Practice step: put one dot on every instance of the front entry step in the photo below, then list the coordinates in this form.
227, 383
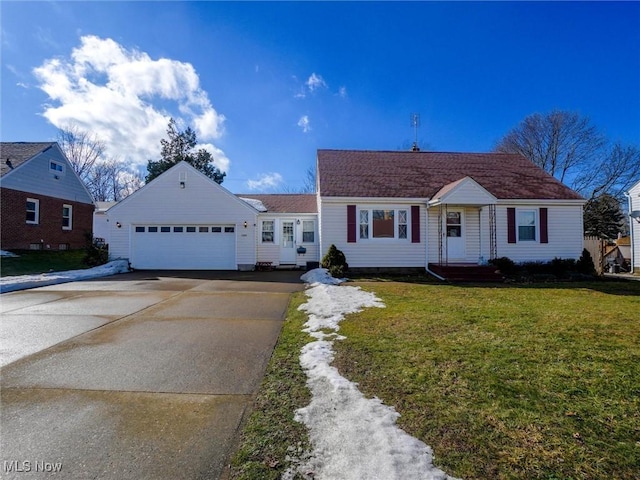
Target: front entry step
467, 272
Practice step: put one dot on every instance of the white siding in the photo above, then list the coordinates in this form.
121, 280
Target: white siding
468, 192
471, 232
201, 202
36, 177
634, 224
565, 235
372, 252
270, 252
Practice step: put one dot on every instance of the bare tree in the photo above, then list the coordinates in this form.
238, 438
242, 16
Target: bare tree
107, 179
617, 172
561, 143
308, 183
569, 147
82, 148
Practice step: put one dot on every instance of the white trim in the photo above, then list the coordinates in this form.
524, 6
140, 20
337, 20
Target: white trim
70, 207
37, 211
539, 202
376, 200
396, 217
536, 226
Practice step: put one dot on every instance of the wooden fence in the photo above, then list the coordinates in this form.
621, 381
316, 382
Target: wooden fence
596, 247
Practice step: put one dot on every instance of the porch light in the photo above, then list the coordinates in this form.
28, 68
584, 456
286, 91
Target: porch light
118, 224
245, 224
182, 184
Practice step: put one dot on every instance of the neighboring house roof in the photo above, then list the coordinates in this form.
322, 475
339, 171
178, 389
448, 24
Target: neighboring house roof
102, 207
18, 153
286, 202
363, 173
623, 241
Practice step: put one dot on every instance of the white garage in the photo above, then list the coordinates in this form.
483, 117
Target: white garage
183, 220
184, 247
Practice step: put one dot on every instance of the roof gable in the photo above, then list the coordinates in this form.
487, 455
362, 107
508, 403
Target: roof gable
18, 153
172, 178
465, 191
397, 174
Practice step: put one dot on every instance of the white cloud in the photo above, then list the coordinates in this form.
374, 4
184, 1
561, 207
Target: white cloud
304, 123
265, 181
342, 92
315, 82
116, 93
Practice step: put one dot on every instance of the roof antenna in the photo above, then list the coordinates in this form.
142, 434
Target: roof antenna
415, 123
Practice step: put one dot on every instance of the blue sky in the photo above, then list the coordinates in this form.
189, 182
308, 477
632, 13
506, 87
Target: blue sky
266, 84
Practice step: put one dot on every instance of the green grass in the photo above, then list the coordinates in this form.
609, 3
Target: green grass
33, 262
504, 382
539, 382
271, 431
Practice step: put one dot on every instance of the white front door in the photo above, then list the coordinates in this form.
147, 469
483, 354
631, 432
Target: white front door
455, 232
287, 243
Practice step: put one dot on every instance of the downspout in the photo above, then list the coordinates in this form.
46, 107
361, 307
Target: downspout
633, 252
426, 242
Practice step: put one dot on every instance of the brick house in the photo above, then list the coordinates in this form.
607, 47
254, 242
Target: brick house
45, 205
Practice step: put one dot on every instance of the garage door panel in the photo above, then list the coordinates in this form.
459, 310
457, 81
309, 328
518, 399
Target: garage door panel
207, 248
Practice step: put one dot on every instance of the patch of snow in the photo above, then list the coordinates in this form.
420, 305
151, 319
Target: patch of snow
353, 437
321, 275
23, 282
4, 253
257, 204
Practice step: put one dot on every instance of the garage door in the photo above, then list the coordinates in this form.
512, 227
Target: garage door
184, 247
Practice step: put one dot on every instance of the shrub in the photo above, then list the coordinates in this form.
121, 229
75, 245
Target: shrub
506, 266
96, 253
585, 263
335, 262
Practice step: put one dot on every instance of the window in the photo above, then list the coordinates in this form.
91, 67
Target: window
203, 229
67, 217
364, 224
308, 231
526, 225
229, 229
216, 229
402, 224
267, 231
165, 229
153, 230
178, 229
56, 167
141, 229
191, 229
454, 224
383, 224
33, 211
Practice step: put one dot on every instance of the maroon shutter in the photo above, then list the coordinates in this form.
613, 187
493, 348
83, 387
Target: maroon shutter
544, 230
351, 223
511, 225
415, 224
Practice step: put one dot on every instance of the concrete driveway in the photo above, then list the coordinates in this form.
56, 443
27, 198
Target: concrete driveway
138, 376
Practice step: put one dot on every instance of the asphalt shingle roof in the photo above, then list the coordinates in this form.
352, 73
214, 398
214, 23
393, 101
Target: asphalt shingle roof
18, 153
363, 173
287, 202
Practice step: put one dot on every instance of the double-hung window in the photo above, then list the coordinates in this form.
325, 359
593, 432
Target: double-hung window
526, 225
268, 231
384, 224
67, 217
33, 211
308, 231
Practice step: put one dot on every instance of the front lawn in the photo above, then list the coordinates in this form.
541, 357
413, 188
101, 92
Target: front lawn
507, 382
504, 382
42, 261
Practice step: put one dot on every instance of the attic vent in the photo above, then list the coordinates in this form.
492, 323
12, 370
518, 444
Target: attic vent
182, 178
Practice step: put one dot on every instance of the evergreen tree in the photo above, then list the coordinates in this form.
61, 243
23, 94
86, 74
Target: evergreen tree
180, 146
603, 217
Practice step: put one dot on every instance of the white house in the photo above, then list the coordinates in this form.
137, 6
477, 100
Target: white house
633, 196
383, 209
